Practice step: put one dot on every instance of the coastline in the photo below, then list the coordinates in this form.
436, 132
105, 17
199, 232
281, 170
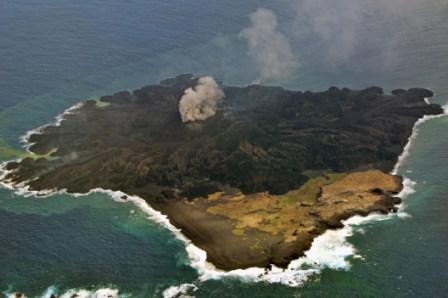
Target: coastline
24, 139
415, 130
293, 275
319, 256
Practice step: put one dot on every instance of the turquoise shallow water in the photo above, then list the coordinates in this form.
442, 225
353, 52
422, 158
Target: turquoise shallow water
54, 53
71, 242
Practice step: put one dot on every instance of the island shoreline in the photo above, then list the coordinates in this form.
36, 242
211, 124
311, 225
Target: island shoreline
196, 255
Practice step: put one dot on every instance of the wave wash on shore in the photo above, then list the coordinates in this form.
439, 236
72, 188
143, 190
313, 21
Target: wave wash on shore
79, 293
329, 250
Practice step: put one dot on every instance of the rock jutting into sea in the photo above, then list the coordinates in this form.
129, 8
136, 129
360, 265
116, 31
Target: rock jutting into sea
262, 173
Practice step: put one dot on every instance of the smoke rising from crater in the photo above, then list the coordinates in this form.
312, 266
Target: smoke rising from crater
269, 47
200, 102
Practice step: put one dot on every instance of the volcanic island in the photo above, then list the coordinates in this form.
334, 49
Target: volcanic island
251, 177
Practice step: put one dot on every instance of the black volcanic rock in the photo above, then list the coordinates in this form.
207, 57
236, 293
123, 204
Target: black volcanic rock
262, 139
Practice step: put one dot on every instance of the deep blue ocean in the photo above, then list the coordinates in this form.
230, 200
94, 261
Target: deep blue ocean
54, 53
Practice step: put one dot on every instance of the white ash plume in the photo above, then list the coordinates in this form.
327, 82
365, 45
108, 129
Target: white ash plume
200, 102
269, 47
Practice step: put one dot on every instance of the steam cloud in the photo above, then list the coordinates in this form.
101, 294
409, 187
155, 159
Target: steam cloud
334, 34
200, 102
346, 28
269, 47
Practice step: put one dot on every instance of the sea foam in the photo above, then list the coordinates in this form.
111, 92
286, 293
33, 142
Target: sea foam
78, 293
183, 290
415, 131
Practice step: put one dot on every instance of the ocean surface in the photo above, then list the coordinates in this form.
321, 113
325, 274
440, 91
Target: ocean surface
54, 53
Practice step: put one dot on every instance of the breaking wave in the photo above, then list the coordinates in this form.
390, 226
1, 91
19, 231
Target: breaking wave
25, 139
183, 290
78, 293
415, 131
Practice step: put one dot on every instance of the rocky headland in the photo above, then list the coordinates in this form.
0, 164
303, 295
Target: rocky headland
255, 181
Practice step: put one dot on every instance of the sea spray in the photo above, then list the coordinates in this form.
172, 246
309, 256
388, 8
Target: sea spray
408, 189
